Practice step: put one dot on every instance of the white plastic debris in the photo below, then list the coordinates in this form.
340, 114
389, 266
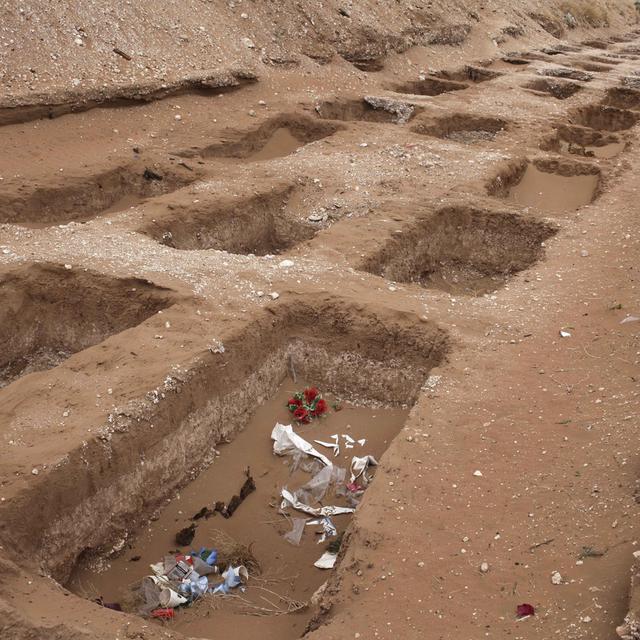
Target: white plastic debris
556, 578
326, 561
295, 535
359, 467
629, 319
331, 445
290, 499
564, 334
477, 473
287, 441
274, 295
328, 528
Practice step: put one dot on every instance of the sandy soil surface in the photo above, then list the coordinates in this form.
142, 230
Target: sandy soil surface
427, 211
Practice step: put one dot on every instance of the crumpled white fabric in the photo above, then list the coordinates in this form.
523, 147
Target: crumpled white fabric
287, 441
290, 499
359, 467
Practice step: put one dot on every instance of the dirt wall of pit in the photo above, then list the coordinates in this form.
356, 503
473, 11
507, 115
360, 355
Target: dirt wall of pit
85, 50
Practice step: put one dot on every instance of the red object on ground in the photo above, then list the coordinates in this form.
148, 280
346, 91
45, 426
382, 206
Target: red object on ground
163, 614
524, 610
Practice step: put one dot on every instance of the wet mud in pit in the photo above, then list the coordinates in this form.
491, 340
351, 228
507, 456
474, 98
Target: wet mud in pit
283, 578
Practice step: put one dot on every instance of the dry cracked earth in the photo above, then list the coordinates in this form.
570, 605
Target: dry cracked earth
456, 252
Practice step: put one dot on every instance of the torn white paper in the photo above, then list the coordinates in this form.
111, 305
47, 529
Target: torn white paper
287, 441
359, 467
290, 499
326, 561
328, 528
331, 445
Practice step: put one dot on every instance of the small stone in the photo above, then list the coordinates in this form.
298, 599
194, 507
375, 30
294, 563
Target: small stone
556, 578
421, 564
248, 42
285, 264
262, 103
34, 471
177, 117
68, 266
484, 567
260, 294
477, 473
584, 253
252, 113
274, 295
586, 619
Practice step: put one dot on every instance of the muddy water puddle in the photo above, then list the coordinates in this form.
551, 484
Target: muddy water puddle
280, 144
604, 152
553, 192
287, 572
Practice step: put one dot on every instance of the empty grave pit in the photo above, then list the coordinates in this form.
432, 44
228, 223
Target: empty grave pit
461, 249
592, 66
276, 137
622, 98
367, 109
81, 198
428, 86
370, 361
547, 184
604, 118
49, 313
559, 89
564, 72
468, 73
258, 224
583, 141
461, 127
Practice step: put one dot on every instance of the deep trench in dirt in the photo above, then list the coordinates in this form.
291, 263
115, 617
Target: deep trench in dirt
62, 311
196, 444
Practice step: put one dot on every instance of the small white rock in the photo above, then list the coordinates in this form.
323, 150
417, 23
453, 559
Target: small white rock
285, 264
274, 295
556, 578
177, 117
484, 567
34, 471
477, 473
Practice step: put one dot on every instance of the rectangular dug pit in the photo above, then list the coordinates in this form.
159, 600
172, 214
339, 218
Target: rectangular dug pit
276, 137
559, 89
49, 313
461, 127
70, 198
564, 72
257, 224
585, 142
428, 87
622, 98
461, 250
367, 109
604, 118
468, 73
547, 185
364, 355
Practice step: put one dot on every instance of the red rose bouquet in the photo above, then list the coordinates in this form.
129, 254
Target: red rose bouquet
307, 404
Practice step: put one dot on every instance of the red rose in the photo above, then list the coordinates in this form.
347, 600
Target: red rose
294, 402
321, 407
301, 414
310, 394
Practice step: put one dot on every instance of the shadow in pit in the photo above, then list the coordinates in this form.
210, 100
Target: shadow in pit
367, 354
461, 249
82, 198
582, 141
428, 86
622, 98
274, 138
368, 109
49, 313
258, 224
461, 127
547, 184
604, 118
468, 73
559, 89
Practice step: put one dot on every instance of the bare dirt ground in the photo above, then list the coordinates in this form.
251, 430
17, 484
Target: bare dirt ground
428, 211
